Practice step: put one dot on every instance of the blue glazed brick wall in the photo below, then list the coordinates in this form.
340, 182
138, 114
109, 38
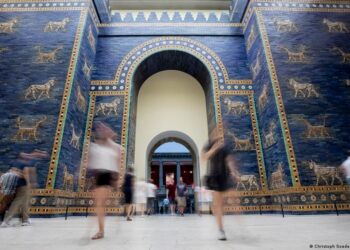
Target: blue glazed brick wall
71, 149
229, 49
20, 68
327, 104
272, 140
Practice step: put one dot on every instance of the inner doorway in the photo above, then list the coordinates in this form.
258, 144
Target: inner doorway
169, 162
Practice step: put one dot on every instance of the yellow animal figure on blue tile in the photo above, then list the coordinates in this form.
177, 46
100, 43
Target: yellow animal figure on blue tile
108, 107
293, 56
325, 172
242, 144
42, 89
57, 26
285, 25
8, 27
46, 57
28, 132
346, 56
335, 26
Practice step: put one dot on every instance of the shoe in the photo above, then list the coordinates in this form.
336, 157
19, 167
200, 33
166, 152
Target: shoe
5, 224
128, 219
98, 236
222, 235
24, 224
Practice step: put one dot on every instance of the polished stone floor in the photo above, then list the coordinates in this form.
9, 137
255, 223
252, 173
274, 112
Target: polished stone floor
181, 233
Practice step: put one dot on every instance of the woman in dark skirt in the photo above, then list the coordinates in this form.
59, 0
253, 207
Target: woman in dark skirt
219, 176
104, 163
128, 190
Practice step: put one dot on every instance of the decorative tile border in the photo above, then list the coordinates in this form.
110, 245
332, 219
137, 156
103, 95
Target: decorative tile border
86, 143
229, 87
165, 24
119, 210
171, 16
102, 82
244, 81
36, 4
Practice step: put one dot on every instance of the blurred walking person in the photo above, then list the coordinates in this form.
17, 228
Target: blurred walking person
181, 193
104, 161
171, 192
151, 196
25, 167
8, 184
141, 196
128, 190
197, 199
345, 166
219, 174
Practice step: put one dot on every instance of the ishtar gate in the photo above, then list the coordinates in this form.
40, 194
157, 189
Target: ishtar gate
272, 75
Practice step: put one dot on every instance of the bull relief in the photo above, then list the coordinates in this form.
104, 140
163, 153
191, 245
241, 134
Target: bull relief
335, 26
284, 25
107, 108
235, 107
303, 89
57, 26
8, 26
325, 173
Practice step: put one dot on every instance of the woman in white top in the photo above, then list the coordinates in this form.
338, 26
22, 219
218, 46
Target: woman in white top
104, 162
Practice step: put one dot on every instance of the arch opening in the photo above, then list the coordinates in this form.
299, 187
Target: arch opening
183, 164
162, 62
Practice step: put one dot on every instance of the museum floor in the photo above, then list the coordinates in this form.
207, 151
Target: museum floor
189, 232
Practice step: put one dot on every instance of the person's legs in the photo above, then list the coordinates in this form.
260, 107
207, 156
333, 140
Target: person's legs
5, 202
148, 208
218, 212
172, 206
143, 206
16, 205
100, 194
25, 206
128, 211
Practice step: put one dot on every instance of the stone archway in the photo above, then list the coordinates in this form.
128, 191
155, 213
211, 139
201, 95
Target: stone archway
170, 60
179, 137
168, 53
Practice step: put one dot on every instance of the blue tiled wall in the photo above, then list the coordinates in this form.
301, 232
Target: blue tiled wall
229, 49
324, 70
19, 69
